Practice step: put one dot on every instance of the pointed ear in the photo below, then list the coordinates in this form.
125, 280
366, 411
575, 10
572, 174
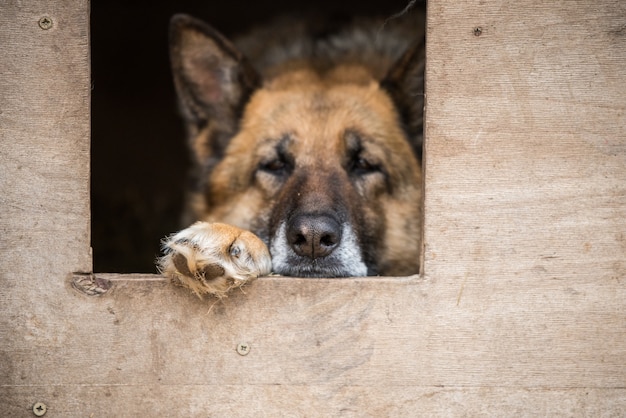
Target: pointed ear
405, 84
213, 80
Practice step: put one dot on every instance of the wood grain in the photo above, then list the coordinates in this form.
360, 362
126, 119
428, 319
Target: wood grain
318, 400
44, 140
521, 310
526, 141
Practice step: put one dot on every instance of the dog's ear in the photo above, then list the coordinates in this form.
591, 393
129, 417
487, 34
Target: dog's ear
405, 84
213, 80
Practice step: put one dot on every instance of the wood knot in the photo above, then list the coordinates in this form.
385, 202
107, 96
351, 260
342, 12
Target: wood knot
89, 284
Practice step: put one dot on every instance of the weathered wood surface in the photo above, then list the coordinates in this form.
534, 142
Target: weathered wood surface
522, 307
44, 143
526, 141
44, 190
360, 347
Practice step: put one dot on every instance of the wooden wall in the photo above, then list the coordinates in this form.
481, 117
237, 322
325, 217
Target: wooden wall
521, 310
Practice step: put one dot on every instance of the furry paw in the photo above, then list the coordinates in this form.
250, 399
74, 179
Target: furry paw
213, 258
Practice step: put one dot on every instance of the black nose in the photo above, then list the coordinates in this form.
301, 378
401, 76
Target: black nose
313, 236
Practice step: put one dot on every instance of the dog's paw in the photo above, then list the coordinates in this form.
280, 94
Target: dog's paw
213, 258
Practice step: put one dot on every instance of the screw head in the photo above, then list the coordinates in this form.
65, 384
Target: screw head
40, 409
45, 23
478, 31
243, 349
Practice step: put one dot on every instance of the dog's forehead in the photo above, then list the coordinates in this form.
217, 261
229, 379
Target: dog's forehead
318, 112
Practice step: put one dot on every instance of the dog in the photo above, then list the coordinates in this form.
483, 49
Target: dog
306, 143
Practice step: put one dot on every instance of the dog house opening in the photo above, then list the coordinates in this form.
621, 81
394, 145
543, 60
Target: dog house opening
305, 130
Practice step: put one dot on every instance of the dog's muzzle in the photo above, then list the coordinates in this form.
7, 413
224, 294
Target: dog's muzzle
316, 245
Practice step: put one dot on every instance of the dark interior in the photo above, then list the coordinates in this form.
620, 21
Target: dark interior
138, 150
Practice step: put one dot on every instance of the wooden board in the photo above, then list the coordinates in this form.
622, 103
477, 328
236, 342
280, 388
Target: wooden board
372, 347
526, 141
44, 142
521, 310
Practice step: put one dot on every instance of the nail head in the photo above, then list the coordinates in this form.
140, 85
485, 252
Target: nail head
243, 349
40, 409
45, 23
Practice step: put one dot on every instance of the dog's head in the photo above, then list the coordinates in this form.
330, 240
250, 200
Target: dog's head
321, 162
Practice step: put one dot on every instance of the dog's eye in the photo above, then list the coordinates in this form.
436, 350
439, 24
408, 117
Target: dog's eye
362, 166
278, 166
274, 165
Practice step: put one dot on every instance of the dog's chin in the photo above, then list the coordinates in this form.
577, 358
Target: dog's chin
317, 268
345, 261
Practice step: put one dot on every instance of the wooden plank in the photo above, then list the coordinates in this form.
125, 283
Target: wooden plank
526, 141
360, 346
377, 332
44, 140
316, 400
522, 308
44, 184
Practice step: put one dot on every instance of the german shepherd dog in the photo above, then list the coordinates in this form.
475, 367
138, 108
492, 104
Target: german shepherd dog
306, 141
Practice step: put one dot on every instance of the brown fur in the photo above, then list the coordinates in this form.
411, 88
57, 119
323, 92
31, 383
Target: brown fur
323, 133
